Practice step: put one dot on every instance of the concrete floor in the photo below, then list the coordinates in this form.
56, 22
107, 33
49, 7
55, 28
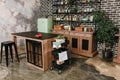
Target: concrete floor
80, 69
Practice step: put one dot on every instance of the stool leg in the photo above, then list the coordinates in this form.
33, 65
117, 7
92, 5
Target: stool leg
11, 52
1, 52
6, 54
15, 47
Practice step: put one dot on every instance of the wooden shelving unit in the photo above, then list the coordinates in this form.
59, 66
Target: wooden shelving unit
83, 43
79, 12
80, 43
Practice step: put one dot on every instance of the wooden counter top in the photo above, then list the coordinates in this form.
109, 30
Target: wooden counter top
40, 48
31, 34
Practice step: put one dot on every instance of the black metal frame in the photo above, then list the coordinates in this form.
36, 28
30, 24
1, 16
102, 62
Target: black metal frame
34, 52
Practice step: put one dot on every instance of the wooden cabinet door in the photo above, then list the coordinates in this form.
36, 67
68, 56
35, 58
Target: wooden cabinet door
74, 44
34, 52
88, 46
85, 46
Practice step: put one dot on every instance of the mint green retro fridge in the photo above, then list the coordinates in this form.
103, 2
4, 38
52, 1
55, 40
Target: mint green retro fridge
45, 25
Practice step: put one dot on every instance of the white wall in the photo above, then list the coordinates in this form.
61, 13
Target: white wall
17, 16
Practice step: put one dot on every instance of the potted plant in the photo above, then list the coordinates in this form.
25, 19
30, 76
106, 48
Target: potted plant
105, 33
60, 38
70, 1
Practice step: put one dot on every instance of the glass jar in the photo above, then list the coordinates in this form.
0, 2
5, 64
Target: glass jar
85, 29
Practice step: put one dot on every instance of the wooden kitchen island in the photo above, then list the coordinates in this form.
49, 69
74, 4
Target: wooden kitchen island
38, 49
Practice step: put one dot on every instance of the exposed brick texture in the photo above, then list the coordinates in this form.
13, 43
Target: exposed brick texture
45, 8
112, 7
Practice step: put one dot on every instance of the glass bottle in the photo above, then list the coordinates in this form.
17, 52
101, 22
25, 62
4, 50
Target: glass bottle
69, 29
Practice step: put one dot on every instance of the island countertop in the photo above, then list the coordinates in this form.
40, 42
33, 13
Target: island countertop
39, 48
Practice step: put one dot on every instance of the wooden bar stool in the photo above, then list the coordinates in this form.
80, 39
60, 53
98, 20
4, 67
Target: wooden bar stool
8, 46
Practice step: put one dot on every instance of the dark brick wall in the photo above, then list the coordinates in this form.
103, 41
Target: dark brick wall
45, 8
112, 7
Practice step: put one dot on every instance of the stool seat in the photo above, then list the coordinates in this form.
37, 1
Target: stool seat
8, 46
7, 42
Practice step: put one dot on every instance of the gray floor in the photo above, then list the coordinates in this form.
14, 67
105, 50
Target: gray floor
77, 70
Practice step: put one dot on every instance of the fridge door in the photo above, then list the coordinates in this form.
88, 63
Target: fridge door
45, 25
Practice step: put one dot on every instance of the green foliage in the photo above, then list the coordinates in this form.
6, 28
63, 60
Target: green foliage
60, 36
70, 1
75, 8
106, 29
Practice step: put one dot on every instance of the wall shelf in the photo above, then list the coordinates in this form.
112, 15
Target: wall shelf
78, 11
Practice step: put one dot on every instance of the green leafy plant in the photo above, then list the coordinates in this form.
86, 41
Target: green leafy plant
60, 36
105, 34
75, 9
70, 1
105, 30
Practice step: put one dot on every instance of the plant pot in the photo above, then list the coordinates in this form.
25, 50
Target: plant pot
107, 55
60, 40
